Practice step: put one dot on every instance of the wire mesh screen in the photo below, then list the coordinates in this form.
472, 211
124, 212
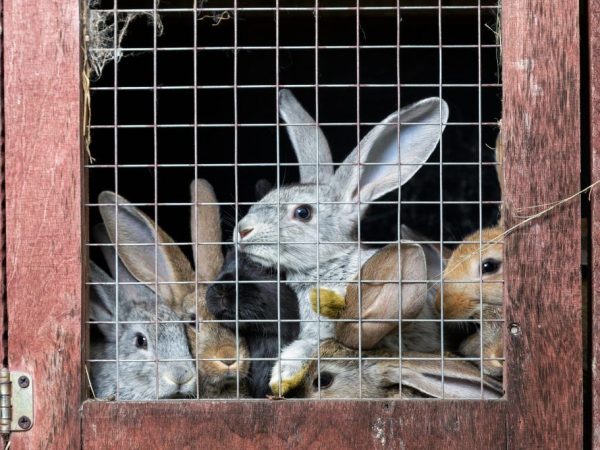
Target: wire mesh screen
295, 199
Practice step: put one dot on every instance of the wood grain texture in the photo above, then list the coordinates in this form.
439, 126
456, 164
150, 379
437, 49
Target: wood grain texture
295, 424
594, 73
43, 212
541, 129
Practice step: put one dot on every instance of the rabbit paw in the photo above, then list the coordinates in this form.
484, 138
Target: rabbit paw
292, 375
331, 302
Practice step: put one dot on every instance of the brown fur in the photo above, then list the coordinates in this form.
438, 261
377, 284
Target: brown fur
381, 300
380, 378
210, 340
464, 298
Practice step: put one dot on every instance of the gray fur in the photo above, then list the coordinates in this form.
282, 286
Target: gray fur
336, 262
138, 376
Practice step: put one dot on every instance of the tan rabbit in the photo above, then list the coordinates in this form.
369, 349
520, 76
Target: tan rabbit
220, 360
379, 376
464, 297
380, 302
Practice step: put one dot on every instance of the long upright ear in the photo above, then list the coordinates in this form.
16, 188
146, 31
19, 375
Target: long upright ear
108, 251
461, 380
102, 301
142, 249
205, 224
375, 170
308, 140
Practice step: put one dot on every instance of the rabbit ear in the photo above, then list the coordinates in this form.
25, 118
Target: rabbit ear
381, 300
108, 251
102, 300
306, 136
132, 226
421, 126
461, 380
262, 188
432, 251
205, 223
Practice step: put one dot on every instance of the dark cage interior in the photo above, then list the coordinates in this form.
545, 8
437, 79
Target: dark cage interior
194, 94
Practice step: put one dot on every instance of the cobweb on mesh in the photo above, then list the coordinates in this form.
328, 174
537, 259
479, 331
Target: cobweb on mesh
104, 27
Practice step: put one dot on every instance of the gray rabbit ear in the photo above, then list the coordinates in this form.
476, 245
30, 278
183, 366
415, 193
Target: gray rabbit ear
308, 140
262, 188
108, 251
102, 300
148, 259
461, 380
431, 250
381, 150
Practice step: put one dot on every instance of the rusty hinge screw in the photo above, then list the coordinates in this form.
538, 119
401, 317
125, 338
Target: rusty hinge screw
24, 422
23, 381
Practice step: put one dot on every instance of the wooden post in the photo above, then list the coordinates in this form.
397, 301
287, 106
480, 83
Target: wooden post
541, 131
42, 105
594, 58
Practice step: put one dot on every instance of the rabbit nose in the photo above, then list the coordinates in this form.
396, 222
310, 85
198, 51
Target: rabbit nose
181, 377
245, 232
228, 364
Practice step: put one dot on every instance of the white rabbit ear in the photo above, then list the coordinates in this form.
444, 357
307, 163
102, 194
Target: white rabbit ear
306, 136
421, 126
102, 300
132, 226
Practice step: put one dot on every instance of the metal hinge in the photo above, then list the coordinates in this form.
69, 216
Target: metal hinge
16, 401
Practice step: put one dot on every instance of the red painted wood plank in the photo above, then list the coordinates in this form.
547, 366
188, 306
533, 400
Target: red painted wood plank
295, 424
541, 130
42, 68
594, 58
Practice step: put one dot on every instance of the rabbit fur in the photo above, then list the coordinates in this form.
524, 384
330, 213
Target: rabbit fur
221, 360
137, 342
256, 302
335, 205
381, 374
467, 301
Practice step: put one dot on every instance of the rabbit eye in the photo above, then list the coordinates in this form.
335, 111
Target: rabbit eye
490, 266
303, 213
141, 341
326, 380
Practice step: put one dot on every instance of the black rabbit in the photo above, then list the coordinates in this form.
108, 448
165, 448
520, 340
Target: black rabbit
256, 301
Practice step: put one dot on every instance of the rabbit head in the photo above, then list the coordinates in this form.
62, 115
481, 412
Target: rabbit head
155, 260
473, 288
289, 214
154, 360
339, 375
470, 263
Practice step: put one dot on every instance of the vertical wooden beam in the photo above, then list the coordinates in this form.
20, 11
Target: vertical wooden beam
594, 73
42, 67
541, 129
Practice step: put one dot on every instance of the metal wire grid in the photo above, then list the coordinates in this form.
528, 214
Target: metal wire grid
196, 165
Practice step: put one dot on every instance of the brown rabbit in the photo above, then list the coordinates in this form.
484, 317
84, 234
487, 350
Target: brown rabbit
380, 376
220, 359
469, 264
380, 302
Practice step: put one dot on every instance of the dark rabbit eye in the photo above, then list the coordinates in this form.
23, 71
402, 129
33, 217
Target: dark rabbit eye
141, 341
490, 266
303, 213
326, 380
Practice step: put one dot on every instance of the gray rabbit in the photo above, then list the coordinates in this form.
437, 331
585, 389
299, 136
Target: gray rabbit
154, 359
325, 208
